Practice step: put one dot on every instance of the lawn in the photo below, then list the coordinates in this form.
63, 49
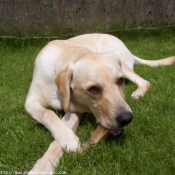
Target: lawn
148, 144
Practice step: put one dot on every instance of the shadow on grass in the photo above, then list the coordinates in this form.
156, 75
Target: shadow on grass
117, 140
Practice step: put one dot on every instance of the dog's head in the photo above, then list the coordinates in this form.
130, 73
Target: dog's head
95, 84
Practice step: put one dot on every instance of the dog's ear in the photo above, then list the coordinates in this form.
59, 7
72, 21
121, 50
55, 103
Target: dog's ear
63, 81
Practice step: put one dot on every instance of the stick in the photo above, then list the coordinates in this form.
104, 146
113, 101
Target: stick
99, 134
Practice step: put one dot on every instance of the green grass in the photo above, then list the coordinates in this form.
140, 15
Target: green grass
148, 144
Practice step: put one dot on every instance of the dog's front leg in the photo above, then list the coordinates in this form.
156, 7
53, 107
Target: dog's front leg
66, 138
50, 159
72, 120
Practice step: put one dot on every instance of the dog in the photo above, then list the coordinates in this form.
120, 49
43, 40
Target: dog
83, 74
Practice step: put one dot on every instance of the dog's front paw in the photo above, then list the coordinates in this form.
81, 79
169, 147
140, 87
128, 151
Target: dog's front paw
72, 146
71, 143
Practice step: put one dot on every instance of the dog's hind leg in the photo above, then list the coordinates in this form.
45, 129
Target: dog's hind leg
143, 85
50, 159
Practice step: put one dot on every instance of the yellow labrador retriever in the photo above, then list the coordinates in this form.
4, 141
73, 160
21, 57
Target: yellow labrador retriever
82, 74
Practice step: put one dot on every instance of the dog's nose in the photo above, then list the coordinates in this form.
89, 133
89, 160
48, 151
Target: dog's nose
124, 118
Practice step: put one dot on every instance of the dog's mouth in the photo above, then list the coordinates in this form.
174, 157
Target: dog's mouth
117, 132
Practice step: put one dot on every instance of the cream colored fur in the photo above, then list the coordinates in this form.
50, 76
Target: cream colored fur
82, 74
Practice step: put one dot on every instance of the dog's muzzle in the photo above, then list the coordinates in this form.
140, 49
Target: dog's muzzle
124, 118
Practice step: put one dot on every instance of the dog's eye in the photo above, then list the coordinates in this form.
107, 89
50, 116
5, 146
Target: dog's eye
94, 90
121, 81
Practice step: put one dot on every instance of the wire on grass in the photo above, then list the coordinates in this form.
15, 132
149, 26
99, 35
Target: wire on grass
72, 35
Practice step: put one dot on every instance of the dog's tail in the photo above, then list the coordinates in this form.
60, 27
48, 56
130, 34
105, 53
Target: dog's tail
154, 63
